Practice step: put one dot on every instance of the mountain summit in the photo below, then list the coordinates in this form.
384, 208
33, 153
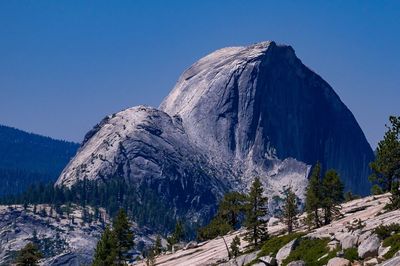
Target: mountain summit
237, 113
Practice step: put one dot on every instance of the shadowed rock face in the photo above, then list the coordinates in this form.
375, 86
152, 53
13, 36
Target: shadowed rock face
237, 113
250, 103
147, 147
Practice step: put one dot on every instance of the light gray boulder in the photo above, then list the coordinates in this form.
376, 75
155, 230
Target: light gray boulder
369, 247
191, 244
371, 262
284, 252
383, 250
338, 262
268, 260
177, 247
349, 241
333, 245
242, 260
363, 237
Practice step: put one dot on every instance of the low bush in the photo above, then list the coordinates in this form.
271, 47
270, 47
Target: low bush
310, 250
385, 231
351, 254
394, 242
274, 244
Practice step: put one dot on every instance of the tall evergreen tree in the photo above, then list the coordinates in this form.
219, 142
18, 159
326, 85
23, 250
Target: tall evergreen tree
151, 258
28, 255
106, 249
158, 246
332, 188
314, 196
230, 208
256, 209
179, 232
386, 167
235, 245
290, 210
124, 236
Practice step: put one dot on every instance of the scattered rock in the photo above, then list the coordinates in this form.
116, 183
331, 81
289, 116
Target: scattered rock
363, 237
349, 241
244, 259
371, 262
333, 245
338, 262
383, 250
284, 252
268, 260
177, 247
369, 247
191, 244
297, 263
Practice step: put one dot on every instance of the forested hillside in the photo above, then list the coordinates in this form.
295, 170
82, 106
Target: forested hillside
27, 158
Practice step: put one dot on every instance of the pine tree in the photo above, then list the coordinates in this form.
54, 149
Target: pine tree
386, 167
158, 246
179, 232
314, 197
151, 258
332, 188
290, 210
28, 256
124, 236
106, 249
235, 245
216, 227
230, 208
256, 209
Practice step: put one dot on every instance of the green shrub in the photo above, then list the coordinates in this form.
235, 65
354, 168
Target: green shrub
394, 243
385, 231
351, 254
310, 250
274, 244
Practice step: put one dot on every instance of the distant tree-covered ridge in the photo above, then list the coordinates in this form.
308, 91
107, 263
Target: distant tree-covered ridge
141, 203
27, 158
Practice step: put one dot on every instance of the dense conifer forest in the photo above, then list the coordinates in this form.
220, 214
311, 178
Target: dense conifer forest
27, 158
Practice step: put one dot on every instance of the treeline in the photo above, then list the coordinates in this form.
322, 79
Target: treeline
26, 158
15, 181
251, 210
141, 203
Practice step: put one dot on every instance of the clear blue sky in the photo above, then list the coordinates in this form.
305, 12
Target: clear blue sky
64, 65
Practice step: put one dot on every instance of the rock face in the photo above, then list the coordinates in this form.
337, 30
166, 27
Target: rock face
248, 104
235, 114
148, 147
369, 247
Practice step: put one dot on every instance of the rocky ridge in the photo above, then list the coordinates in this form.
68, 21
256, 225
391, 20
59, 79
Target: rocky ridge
237, 113
65, 239
342, 232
